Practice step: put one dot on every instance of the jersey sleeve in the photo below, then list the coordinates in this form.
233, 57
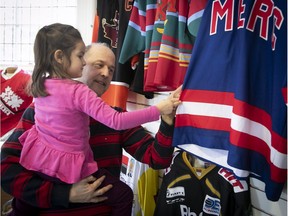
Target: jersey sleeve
155, 151
135, 37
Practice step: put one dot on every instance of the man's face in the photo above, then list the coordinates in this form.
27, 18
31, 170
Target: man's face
99, 69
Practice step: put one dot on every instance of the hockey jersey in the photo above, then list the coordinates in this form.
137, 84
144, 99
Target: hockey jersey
14, 98
139, 31
143, 180
161, 31
233, 109
212, 190
114, 15
170, 48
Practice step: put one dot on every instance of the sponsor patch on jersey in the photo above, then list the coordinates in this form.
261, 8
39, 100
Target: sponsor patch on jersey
175, 194
212, 205
238, 185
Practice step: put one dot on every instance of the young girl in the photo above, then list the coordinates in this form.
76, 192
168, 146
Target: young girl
57, 146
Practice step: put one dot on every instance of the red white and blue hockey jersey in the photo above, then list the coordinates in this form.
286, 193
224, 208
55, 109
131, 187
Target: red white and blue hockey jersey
234, 109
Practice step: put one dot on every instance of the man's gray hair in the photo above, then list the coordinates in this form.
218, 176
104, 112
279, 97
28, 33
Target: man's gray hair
97, 44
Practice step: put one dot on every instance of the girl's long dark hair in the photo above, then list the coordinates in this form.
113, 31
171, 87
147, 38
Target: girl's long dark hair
50, 38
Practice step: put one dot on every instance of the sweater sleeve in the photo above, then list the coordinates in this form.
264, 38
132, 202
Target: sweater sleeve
24, 184
94, 106
155, 151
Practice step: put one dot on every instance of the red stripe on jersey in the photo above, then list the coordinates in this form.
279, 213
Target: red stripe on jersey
224, 98
255, 144
284, 93
204, 122
196, 6
240, 108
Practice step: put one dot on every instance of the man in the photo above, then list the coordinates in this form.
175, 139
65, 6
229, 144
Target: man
84, 197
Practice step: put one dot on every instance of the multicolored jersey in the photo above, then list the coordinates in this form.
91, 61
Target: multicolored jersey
205, 190
161, 29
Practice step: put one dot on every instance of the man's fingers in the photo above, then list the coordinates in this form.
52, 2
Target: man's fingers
88, 179
103, 190
98, 194
97, 182
175, 101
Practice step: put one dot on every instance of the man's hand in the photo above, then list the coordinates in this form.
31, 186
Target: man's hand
169, 119
85, 191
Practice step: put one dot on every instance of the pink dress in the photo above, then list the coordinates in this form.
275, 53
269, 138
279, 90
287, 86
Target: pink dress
58, 144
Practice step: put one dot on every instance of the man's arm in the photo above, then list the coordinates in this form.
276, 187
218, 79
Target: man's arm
156, 152
24, 184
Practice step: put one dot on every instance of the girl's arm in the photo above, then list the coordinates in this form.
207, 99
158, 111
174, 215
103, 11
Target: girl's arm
155, 151
94, 106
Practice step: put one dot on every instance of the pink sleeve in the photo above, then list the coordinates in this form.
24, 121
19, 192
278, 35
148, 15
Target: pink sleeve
94, 106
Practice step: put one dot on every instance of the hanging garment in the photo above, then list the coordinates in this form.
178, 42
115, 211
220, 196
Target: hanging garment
162, 33
234, 94
138, 39
171, 45
14, 98
139, 30
210, 190
144, 181
138, 83
114, 15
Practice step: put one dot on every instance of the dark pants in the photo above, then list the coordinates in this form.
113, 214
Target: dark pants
120, 199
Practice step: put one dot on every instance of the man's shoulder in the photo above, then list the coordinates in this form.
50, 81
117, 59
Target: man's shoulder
29, 112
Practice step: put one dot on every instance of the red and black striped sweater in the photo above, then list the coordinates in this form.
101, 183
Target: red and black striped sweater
106, 144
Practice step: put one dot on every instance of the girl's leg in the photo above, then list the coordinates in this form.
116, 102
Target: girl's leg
21, 208
120, 197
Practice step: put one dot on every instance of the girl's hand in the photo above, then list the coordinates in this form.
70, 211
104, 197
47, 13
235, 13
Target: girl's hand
169, 119
168, 106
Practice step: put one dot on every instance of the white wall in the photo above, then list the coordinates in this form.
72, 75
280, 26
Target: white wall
85, 19
261, 205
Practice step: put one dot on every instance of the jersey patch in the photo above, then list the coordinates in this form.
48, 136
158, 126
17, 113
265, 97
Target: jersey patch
176, 194
238, 185
211, 205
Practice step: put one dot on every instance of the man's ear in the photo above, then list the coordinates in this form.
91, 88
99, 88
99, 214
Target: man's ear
59, 56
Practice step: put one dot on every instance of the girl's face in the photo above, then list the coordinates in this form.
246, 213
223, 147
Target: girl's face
77, 61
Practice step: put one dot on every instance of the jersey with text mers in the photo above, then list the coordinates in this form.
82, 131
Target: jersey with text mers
233, 109
187, 190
